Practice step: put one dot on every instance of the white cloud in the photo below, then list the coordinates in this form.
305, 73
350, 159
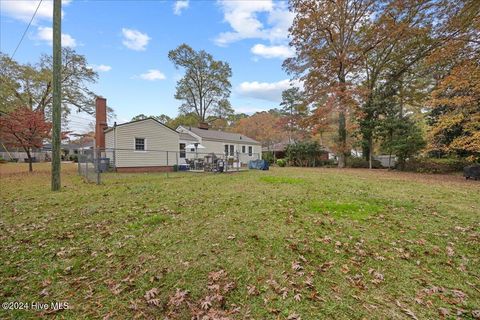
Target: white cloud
152, 75
101, 67
46, 34
24, 9
248, 109
242, 16
134, 39
178, 6
264, 51
270, 91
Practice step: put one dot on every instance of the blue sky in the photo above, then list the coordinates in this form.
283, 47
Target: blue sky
127, 42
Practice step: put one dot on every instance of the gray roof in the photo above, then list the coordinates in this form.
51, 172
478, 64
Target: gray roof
222, 135
186, 136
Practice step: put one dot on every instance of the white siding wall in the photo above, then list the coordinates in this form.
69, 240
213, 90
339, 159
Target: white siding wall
109, 146
218, 147
158, 140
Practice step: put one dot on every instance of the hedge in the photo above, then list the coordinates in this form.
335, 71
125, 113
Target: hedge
434, 165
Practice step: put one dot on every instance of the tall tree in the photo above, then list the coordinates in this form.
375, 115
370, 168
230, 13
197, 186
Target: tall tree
295, 111
186, 120
327, 38
402, 36
163, 118
455, 111
205, 85
26, 129
454, 107
32, 85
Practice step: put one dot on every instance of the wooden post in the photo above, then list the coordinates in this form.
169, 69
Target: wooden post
57, 95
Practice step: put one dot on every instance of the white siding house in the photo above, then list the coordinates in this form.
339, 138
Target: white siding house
149, 145
141, 144
225, 143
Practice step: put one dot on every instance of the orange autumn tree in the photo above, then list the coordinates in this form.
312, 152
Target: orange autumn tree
455, 102
262, 126
26, 129
329, 44
454, 117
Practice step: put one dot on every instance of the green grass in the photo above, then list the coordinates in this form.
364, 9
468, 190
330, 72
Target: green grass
351, 210
277, 180
322, 244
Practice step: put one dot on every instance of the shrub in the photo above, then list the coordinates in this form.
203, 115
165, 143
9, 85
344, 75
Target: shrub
304, 154
281, 162
362, 163
433, 165
2, 160
327, 163
268, 156
74, 158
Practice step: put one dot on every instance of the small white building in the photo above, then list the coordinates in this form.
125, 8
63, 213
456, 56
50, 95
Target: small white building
149, 145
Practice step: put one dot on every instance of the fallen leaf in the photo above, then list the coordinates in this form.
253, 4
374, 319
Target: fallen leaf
296, 266
408, 312
345, 268
294, 316
443, 312
450, 251
252, 291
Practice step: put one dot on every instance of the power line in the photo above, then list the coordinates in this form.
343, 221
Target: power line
26, 29
82, 118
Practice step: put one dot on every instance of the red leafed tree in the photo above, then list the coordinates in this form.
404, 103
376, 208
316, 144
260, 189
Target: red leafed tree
26, 129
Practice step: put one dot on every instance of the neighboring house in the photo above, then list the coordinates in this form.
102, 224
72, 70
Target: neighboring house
143, 145
387, 161
44, 153
277, 150
149, 145
222, 143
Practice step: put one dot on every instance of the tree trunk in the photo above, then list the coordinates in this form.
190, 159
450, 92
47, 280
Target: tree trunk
370, 147
29, 156
342, 126
342, 139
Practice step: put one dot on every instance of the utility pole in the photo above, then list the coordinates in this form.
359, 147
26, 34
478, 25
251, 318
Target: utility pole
57, 95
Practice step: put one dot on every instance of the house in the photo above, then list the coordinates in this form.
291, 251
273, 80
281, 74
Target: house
221, 143
149, 145
142, 145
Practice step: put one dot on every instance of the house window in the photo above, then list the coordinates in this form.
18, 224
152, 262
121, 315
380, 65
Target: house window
226, 149
140, 144
243, 149
232, 150
250, 151
182, 150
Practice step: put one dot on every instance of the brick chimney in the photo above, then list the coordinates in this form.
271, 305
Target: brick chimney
101, 122
203, 125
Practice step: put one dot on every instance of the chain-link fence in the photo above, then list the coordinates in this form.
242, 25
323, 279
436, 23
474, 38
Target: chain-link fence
92, 163
185, 160
88, 166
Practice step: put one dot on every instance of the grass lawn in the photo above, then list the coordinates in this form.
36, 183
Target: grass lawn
288, 243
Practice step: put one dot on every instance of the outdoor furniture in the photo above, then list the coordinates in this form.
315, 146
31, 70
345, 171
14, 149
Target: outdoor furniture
198, 164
